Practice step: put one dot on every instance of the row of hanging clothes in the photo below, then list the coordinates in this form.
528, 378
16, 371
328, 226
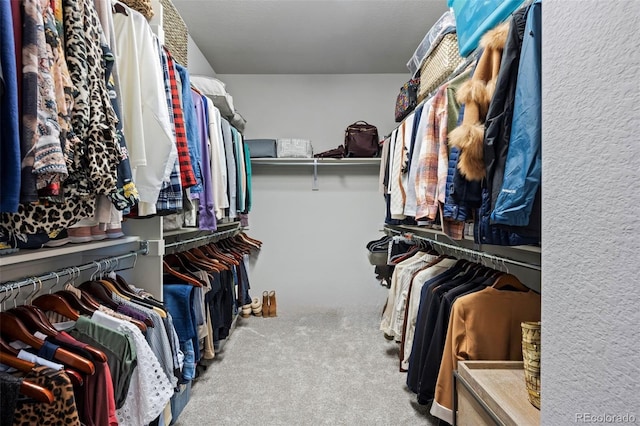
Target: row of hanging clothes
441, 309
471, 153
106, 352
99, 121
203, 288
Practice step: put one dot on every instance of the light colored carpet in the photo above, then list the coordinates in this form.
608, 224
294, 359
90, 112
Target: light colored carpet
313, 367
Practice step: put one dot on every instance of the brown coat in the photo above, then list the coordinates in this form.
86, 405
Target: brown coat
483, 326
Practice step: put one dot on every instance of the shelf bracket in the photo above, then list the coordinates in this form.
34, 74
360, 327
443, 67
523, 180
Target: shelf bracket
314, 186
144, 245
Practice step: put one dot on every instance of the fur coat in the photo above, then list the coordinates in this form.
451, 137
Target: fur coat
476, 95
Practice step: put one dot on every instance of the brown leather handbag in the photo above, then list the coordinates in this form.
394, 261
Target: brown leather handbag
361, 140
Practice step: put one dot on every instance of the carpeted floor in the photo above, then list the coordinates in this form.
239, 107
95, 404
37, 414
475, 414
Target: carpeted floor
313, 367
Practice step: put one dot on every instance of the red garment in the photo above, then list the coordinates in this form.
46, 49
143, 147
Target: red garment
187, 177
99, 399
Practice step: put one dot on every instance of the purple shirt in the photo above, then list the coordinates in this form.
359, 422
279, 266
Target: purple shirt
207, 216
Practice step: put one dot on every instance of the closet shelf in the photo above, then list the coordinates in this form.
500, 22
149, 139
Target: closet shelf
318, 161
519, 260
195, 231
46, 253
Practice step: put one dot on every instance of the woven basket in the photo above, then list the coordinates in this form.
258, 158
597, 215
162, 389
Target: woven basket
142, 6
441, 62
175, 32
531, 349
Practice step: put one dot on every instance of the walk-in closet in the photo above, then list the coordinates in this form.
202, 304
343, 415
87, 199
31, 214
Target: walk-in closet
307, 212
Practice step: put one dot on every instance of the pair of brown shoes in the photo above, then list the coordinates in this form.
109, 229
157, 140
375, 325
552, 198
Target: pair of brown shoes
269, 306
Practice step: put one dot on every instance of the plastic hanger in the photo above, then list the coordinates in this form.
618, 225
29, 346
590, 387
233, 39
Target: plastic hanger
15, 329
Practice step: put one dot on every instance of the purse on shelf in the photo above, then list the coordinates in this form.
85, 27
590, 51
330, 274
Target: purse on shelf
407, 99
332, 153
361, 140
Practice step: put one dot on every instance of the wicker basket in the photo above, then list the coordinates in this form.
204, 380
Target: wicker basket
531, 349
176, 34
441, 62
142, 6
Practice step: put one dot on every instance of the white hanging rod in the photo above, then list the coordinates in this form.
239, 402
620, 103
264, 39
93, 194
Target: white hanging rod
107, 263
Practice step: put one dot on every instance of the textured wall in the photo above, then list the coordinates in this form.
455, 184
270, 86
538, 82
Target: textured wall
591, 206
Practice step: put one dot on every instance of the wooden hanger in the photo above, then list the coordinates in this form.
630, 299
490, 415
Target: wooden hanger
100, 293
7, 348
36, 392
76, 303
251, 240
27, 388
509, 280
119, 8
144, 301
55, 303
32, 321
14, 328
186, 278
214, 253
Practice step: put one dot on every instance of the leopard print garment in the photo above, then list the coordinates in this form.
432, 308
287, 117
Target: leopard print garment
92, 160
63, 410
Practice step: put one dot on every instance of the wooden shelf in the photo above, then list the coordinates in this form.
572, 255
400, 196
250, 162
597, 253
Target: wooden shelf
45, 253
501, 387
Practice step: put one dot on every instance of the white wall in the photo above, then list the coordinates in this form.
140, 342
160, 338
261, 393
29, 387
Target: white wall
198, 64
314, 106
314, 252
591, 261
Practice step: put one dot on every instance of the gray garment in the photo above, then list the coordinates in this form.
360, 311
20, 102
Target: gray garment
156, 337
231, 168
178, 356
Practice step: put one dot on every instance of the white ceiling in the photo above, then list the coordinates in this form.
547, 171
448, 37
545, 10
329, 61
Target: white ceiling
309, 36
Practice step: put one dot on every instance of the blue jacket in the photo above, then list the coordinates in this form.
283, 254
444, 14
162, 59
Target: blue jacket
496, 146
9, 124
523, 168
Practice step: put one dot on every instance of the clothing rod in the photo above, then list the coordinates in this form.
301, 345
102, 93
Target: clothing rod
73, 270
469, 252
212, 237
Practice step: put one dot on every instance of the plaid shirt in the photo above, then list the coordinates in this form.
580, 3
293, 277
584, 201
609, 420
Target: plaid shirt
170, 197
431, 179
187, 177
